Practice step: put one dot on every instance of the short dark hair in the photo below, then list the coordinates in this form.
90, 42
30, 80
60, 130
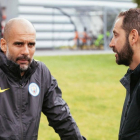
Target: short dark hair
131, 20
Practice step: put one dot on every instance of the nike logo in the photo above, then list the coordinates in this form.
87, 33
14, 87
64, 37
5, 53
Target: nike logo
2, 90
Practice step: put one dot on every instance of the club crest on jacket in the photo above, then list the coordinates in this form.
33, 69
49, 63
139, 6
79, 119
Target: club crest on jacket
34, 89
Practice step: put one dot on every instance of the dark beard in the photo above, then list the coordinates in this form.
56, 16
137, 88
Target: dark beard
125, 55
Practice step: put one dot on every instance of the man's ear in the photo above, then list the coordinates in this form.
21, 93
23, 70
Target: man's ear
3, 45
133, 37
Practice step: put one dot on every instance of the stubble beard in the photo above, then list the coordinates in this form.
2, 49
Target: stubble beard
23, 68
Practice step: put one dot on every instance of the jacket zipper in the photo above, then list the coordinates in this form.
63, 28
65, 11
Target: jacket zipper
21, 113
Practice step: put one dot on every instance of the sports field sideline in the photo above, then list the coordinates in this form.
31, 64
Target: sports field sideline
70, 52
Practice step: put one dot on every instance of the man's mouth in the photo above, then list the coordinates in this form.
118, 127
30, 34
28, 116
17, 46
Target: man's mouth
23, 59
116, 53
114, 50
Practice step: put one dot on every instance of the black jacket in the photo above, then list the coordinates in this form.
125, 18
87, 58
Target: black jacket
130, 121
22, 99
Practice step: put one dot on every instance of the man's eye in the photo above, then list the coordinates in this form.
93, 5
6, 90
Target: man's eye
18, 43
31, 44
115, 35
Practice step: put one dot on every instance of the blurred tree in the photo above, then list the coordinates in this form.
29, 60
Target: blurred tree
138, 2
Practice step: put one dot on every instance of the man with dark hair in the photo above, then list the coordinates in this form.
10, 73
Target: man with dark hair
126, 44
27, 88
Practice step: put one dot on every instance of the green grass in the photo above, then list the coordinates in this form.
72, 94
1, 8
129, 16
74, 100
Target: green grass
90, 85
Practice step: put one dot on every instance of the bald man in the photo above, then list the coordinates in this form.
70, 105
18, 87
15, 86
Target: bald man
27, 88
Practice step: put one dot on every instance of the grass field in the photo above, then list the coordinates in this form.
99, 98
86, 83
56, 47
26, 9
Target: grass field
90, 85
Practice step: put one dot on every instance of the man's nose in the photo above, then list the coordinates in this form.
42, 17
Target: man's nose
111, 44
25, 50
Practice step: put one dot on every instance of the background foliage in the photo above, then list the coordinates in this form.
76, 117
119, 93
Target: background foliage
138, 2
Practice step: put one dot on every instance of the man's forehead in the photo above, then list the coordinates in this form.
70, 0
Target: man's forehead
17, 33
24, 35
118, 23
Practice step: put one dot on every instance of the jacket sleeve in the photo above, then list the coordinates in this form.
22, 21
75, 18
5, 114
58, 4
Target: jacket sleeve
58, 114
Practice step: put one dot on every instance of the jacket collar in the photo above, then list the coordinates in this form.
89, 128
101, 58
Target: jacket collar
13, 70
130, 75
135, 74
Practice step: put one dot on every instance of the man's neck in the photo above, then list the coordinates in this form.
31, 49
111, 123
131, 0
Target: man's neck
22, 73
133, 66
135, 61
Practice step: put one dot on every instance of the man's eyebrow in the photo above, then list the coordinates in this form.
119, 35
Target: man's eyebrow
22, 42
32, 42
16, 42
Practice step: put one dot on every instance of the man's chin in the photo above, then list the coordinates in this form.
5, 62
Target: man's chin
119, 62
126, 63
23, 68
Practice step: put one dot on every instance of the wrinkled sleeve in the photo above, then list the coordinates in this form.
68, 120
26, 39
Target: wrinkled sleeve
58, 114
